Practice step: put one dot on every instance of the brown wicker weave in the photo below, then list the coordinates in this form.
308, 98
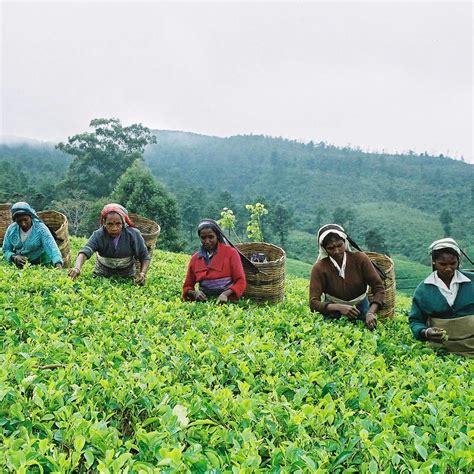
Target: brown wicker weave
150, 231
268, 286
5, 219
58, 222
386, 264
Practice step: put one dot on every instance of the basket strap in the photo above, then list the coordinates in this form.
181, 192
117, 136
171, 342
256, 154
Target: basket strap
379, 270
465, 254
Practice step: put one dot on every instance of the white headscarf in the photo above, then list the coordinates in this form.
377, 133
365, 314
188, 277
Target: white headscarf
445, 243
324, 231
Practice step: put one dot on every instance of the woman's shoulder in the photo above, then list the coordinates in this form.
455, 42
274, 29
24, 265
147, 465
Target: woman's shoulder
358, 256
469, 274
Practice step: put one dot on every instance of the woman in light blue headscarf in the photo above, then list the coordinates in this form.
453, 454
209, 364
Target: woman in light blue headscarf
29, 240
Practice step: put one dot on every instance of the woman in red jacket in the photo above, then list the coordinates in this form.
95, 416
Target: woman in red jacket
216, 266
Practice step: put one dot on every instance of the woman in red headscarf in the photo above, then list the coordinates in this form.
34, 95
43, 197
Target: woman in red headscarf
118, 244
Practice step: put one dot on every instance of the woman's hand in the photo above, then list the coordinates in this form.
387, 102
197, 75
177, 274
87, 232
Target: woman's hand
19, 260
73, 273
347, 310
435, 334
59, 266
371, 321
222, 298
140, 278
199, 296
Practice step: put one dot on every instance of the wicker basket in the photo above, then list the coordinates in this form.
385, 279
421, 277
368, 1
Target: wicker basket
268, 286
5, 219
150, 231
386, 264
58, 222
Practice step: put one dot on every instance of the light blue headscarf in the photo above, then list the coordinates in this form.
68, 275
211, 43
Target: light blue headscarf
21, 208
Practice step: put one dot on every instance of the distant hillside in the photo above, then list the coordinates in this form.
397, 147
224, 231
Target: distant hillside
400, 195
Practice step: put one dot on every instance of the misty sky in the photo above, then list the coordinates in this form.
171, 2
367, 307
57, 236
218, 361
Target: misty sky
393, 76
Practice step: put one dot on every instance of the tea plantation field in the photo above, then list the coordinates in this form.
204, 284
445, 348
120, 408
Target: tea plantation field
100, 376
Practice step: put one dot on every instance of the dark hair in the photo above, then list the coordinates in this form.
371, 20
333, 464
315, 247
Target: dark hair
331, 237
437, 253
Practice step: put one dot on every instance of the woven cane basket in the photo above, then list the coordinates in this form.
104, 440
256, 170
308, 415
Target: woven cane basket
386, 264
268, 286
58, 222
5, 219
150, 231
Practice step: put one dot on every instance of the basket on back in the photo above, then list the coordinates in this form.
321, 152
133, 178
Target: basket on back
150, 231
57, 222
385, 263
5, 219
268, 286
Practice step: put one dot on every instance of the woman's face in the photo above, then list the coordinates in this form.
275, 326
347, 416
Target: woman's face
446, 264
25, 222
335, 249
208, 238
113, 224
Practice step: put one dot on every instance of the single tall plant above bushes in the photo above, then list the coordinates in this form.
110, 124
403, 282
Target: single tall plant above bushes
254, 226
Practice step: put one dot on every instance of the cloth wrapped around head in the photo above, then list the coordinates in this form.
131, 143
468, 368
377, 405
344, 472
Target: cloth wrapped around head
446, 243
212, 224
118, 209
221, 237
324, 231
21, 209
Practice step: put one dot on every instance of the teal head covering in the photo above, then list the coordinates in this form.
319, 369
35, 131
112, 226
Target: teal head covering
23, 208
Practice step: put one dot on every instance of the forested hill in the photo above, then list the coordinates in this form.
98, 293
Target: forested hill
400, 195
395, 201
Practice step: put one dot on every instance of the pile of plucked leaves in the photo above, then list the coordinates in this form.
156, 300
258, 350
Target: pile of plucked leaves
104, 376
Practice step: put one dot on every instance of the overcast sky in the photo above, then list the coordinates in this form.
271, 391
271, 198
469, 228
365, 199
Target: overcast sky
378, 75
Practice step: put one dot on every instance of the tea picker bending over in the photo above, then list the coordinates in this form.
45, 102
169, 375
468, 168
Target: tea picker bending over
118, 244
28, 239
340, 277
216, 267
442, 310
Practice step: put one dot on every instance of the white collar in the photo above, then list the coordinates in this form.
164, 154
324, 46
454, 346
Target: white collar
434, 279
341, 269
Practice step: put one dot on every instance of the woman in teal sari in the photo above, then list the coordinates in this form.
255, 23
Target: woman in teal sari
442, 311
29, 240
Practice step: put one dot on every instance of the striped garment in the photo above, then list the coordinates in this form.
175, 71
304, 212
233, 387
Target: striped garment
216, 286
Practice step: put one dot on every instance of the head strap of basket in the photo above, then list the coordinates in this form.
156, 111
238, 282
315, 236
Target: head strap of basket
117, 209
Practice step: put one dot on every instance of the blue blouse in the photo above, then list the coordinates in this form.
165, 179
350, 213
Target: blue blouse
39, 246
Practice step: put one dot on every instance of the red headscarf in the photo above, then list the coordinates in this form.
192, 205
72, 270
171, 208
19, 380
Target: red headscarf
120, 210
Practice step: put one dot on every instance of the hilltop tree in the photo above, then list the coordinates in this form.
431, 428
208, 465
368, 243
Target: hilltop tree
102, 156
446, 219
139, 191
280, 220
375, 241
343, 216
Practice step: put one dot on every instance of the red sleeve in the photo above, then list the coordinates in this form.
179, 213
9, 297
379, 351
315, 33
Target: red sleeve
190, 280
237, 274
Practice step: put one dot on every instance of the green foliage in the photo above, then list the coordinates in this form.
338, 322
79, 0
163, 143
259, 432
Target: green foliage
102, 156
280, 221
227, 220
446, 220
102, 376
141, 193
254, 226
375, 242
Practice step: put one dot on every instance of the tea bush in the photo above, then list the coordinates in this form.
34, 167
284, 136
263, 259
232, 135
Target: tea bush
103, 376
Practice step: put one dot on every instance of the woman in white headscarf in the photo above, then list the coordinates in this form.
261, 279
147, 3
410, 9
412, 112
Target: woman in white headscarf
442, 311
340, 278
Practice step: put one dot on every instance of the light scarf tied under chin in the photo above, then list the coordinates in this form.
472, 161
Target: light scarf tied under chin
323, 254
